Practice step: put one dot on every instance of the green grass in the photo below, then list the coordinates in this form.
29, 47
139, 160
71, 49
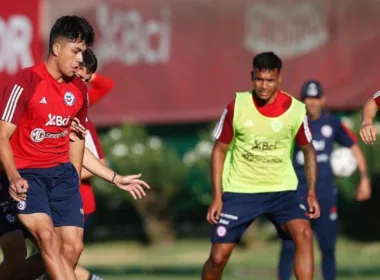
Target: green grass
183, 261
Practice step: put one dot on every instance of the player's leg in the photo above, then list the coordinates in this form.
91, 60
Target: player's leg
285, 265
239, 210
81, 272
326, 233
14, 253
35, 215
288, 248
219, 256
284, 210
67, 212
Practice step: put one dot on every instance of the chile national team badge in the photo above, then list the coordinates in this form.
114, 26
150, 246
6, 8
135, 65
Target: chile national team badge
69, 98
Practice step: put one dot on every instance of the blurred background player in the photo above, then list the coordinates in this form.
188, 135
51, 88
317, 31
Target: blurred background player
99, 86
327, 130
252, 174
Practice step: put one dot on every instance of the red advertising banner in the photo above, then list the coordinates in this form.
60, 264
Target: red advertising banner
20, 44
181, 61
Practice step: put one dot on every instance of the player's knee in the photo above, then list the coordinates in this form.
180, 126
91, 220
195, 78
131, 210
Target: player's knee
72, 251
48, 241
304, 234
218, 260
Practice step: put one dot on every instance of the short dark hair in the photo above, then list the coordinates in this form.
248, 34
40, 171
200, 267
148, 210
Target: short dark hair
90, 61
267, 61
72, 28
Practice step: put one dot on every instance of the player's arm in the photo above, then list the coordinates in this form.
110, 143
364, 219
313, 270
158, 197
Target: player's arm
100, 87
13, 101
368, 131
85, 174
223, 133
131, 183
18, 186
303, 140
345, 137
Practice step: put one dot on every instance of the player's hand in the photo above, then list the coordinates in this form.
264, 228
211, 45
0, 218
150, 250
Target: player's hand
78, 128
18, 188
364, 189
132, 184
214, 210
368, 133
314, 210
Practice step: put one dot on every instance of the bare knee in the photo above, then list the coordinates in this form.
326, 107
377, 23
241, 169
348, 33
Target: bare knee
72, 251
48, 242
219, 257
303, 234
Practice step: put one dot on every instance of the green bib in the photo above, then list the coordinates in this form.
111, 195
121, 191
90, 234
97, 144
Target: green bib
259, 158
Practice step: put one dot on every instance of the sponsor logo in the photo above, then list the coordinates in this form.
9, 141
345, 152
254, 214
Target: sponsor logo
57, 120
38, 135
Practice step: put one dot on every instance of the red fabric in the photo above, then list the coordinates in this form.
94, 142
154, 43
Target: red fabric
86, 190
42, 109
350, 133
100, 86
275, 109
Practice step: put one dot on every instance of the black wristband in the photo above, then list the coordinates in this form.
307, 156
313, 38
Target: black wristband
113, 179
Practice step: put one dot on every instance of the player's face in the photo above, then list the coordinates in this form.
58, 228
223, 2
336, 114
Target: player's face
265, 83
313, 106
70, 57
83, 74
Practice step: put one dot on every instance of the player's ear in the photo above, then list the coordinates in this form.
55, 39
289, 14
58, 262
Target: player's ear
323, 100
56, 48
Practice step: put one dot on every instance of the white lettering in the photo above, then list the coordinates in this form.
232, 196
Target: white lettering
228, 216
57, 120
140, 41
15, 44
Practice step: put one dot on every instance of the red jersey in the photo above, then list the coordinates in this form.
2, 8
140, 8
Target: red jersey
42, 109
86, 191
100, 86
224, 131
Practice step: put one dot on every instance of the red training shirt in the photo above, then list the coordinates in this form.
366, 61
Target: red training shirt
42, 109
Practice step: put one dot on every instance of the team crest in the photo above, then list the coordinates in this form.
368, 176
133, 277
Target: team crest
21, 205
276, 125
326, 131
221, 231
69, 98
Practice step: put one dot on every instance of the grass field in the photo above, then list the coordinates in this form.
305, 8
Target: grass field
183, 261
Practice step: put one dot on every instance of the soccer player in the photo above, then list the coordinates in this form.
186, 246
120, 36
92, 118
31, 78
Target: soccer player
252, 171
100, 86
11, 234
327, 130
36, 110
